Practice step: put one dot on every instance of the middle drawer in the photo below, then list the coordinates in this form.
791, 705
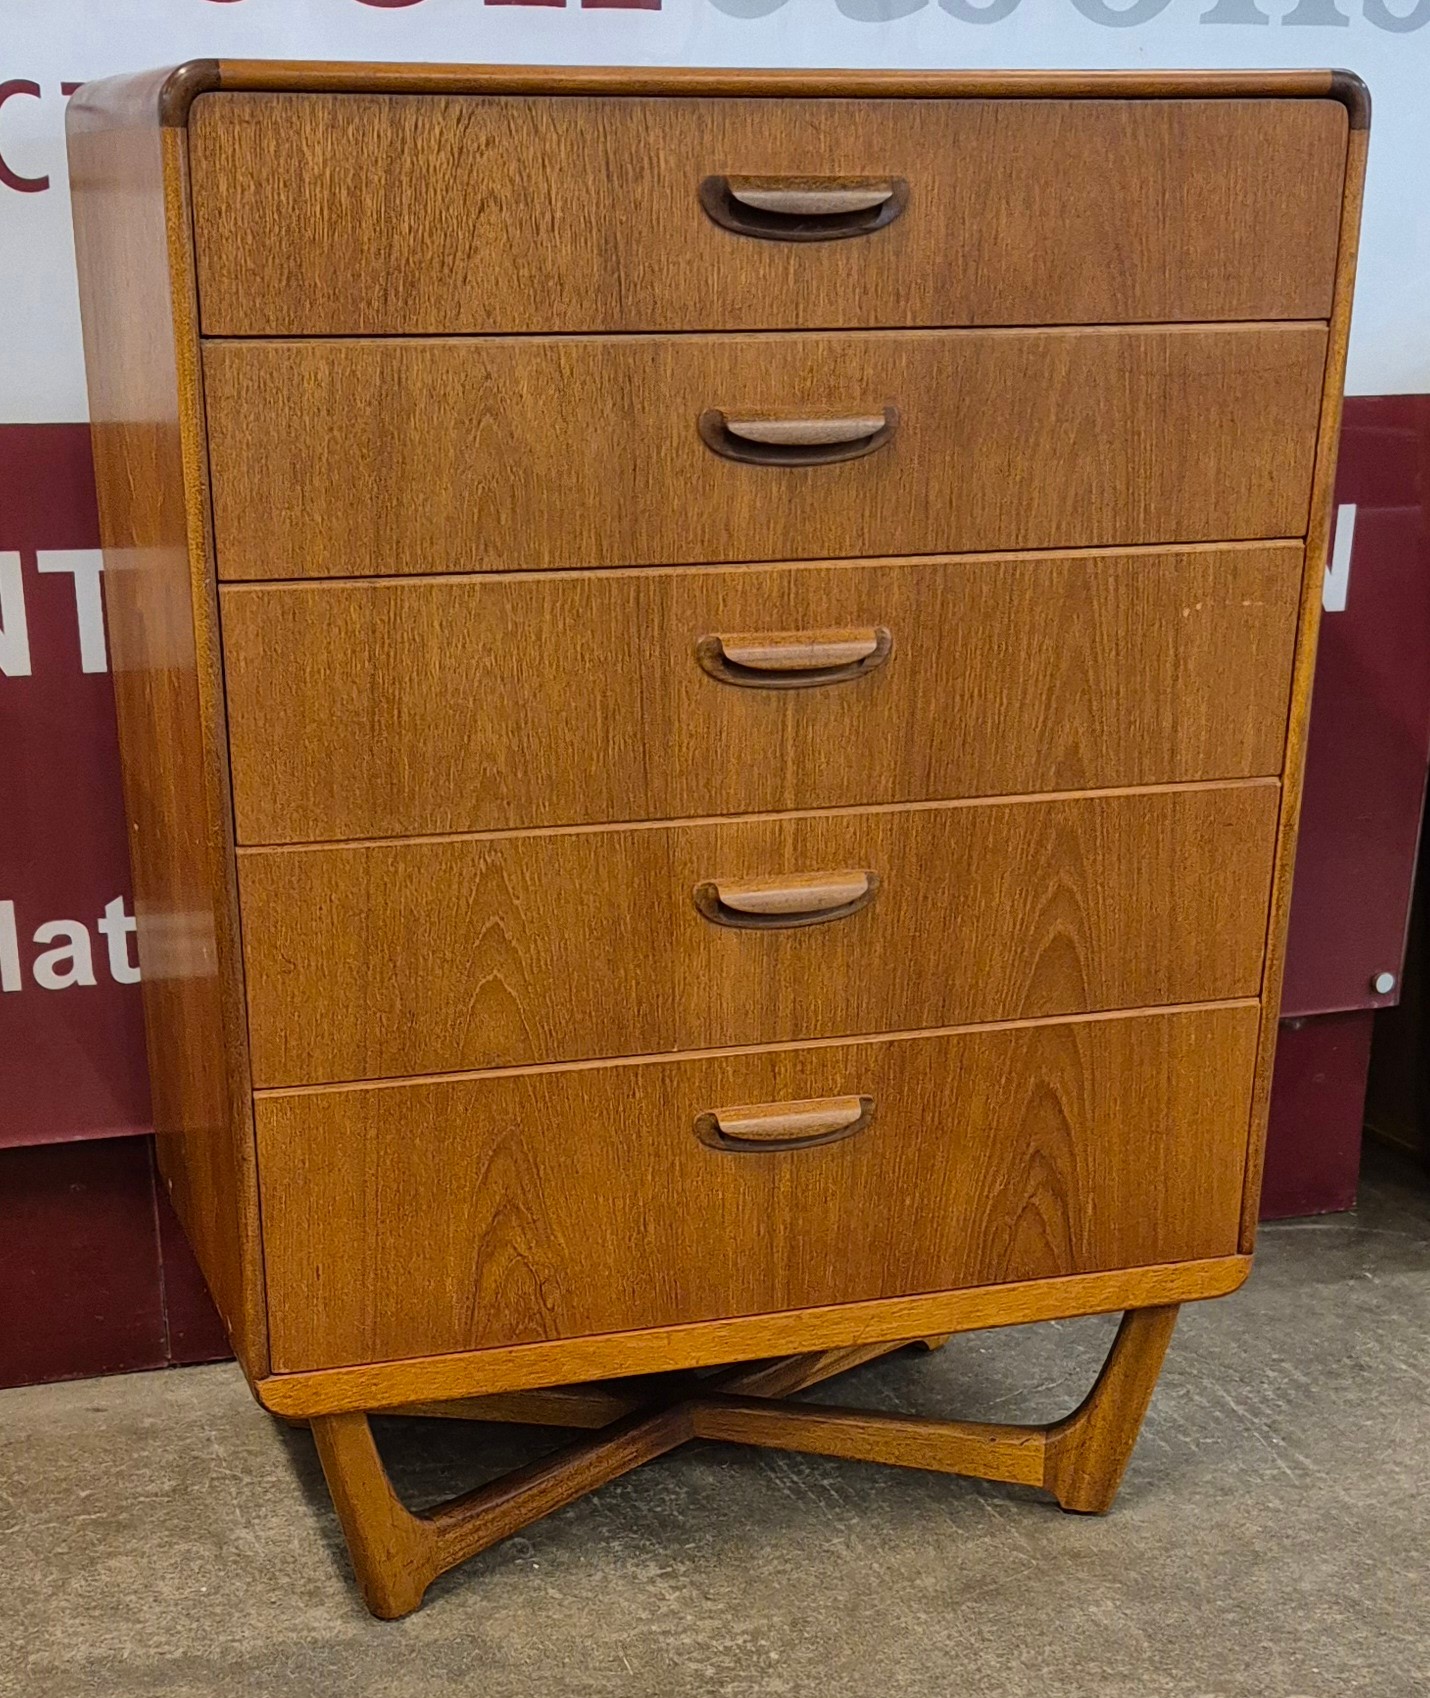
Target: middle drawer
497, 702
379, 960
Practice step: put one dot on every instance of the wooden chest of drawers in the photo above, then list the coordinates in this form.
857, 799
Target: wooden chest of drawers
712, 671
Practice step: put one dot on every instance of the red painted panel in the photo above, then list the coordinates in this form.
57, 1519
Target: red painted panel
1317, 1107
1365, 783
1370, 721
71, 1033
79, 1262
1398, 1090
95, 1275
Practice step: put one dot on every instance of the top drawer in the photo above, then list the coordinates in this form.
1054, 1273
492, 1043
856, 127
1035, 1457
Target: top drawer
352, 214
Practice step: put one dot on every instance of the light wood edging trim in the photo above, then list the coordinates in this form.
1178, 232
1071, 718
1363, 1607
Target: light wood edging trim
596, 827
841, 1040
1298, 724
435, 1379
200, 76
133, 235
218, 784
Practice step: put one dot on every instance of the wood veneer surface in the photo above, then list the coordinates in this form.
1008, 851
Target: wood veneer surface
365, 459
378, 214
450, 1215
361, 457
486, 703
432, 955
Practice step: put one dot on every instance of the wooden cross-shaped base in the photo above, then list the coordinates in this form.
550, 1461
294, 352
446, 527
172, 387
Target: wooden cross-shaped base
397, 1555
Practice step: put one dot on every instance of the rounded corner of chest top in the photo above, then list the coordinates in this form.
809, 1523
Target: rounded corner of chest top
1354, 94
182, 87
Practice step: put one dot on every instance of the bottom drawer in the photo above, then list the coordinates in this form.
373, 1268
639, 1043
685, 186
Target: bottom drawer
454, 1214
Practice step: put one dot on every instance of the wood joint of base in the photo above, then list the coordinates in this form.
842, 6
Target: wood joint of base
522, 1367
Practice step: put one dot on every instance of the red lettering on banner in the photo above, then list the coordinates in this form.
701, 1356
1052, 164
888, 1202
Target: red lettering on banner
8, 176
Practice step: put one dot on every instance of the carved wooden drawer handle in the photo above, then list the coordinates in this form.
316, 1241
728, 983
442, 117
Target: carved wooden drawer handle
815, 440
794, 660
776, 903
803, 209
784, 1126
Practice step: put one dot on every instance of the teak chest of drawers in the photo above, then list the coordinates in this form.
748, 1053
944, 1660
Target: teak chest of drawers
712, 671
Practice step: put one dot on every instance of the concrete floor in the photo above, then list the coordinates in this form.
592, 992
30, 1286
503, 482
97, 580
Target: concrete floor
160, 1535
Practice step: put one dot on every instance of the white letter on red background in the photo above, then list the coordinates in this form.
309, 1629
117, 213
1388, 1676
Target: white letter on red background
117, 928
14, 631
10, 979
84, 565
70, 964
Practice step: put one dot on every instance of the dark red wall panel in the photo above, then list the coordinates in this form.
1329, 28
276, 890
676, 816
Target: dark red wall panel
1360, 825
1317, 1108
79, 1262
94, 1275
71, 1032
1370, 719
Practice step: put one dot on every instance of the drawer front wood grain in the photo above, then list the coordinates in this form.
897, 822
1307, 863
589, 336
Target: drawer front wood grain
381, 215
389, 457
488, 703
456, 1214
430, 955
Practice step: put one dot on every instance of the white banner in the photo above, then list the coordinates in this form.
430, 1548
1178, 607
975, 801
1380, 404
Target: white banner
48, 46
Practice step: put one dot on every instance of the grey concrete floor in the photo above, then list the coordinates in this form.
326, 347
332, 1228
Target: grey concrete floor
161, 1535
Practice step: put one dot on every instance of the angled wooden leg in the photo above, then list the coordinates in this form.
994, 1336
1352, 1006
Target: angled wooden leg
396, 1555
389, 1547
1080, 1460
1088, 1453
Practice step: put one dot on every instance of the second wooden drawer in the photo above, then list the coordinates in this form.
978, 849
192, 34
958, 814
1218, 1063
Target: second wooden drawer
383, 959
376, 458
482, 704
